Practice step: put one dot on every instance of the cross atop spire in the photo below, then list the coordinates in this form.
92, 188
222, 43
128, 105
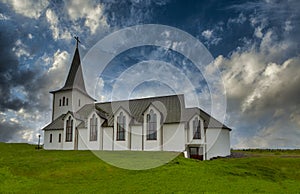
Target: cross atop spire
77, 41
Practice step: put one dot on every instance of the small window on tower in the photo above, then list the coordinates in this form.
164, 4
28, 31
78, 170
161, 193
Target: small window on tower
59, 138
64, 99
78, 102
50, 138
59, 102
67, 102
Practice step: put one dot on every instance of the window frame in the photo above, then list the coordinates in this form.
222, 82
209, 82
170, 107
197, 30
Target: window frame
93, 128
151, 125
121, 127
69, 129
196, 128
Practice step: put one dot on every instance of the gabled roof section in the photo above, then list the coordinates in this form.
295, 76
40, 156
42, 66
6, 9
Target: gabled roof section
209, 121
57, 124
136, 107
75, 77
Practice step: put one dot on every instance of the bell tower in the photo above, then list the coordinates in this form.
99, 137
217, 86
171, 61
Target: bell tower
73, 95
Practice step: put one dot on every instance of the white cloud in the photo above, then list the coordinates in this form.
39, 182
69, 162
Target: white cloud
288, 26
211, 39
239, 20
30, 36
207, 34
258, 32
91, 12
57, 72
57, 31
29, 8
20, 49
4, 17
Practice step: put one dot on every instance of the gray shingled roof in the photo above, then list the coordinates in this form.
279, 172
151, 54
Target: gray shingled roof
209, 121
136, 107
173, 105
57, 124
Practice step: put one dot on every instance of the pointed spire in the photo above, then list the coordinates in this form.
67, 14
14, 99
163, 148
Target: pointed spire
77, 41
75, 77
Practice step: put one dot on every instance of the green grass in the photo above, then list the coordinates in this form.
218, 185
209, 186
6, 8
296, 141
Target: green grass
26, 170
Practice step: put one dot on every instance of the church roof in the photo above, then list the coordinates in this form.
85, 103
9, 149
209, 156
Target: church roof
173, 106
57, 124
75, 77
209, 121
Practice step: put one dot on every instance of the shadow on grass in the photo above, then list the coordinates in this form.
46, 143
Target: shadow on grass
136, 160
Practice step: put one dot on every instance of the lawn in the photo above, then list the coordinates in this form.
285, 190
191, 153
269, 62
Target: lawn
23, 169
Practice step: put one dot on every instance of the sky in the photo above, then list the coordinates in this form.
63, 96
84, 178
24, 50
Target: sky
254, 45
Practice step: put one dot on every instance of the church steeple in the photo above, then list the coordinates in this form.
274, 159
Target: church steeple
75, 77
73, 95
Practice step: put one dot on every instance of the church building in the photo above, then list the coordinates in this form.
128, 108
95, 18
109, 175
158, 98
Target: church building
160, 123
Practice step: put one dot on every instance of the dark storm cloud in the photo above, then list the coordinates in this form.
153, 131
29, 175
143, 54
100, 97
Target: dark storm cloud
13, 75
8, 130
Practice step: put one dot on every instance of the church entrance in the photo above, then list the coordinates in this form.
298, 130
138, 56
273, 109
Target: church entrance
196, 153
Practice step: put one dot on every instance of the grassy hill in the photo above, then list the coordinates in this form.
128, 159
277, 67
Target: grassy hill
24, 169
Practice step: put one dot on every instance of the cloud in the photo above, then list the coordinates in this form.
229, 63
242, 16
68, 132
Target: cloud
4, 17
207, 34
91, 12
29, 8
239, 20
260, 95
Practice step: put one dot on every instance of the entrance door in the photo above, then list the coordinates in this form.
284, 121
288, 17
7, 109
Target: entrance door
194, 153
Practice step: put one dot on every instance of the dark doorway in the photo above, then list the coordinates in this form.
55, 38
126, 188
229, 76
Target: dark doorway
195, 154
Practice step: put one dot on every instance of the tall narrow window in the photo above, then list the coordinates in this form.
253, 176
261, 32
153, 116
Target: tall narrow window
69, 129
196, 128
50, 138
59, 138
67, 100
93, 128
59, 102
64, 99
151, 126
78, 102
121, 123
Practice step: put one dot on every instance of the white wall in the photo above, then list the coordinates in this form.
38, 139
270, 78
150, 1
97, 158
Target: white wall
73, 97
82, 138
107, 138
174, 137
136, 137
59, 110
218, 142
55, 145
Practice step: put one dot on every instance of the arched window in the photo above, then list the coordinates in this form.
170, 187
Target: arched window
196, 128
151, 126
64, 99
59, 102
121, 124
69, 129
67, 100
50, 138
93, 128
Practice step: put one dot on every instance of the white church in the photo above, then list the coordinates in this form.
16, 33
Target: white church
160, 123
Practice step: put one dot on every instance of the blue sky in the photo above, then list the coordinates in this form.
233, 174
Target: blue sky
255, 45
